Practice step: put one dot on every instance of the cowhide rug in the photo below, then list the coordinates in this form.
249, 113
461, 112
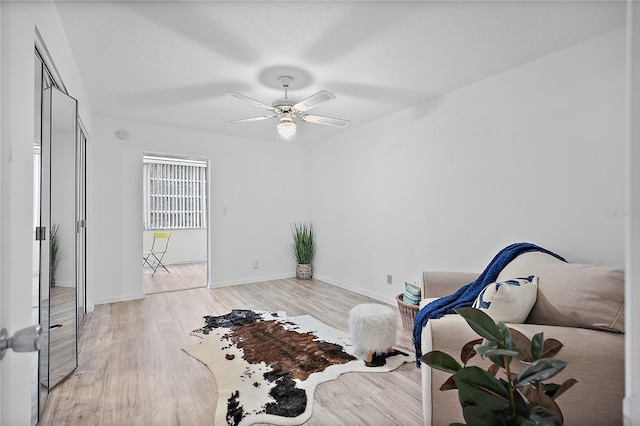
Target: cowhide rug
267, 365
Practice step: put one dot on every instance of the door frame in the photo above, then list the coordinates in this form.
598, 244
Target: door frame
207, 187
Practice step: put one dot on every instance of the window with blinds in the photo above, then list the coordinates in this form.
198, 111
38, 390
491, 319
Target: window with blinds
174, 193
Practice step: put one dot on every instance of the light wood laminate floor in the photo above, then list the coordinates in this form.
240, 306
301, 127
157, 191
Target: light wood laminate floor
181, 276
62, 333
132, 370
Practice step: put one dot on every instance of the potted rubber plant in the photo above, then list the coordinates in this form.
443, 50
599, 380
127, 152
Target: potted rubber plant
512, 398
303, 249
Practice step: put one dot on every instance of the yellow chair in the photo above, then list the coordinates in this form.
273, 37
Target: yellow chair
154, 257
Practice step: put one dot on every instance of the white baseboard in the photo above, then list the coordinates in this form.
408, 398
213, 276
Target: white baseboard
120, 298
346, 286
249, 280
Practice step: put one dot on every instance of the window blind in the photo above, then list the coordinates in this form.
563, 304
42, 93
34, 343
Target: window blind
175, 193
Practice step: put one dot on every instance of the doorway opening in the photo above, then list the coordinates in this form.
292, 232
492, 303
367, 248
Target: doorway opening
175, 226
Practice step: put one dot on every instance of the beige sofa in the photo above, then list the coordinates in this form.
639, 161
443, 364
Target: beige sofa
580, 305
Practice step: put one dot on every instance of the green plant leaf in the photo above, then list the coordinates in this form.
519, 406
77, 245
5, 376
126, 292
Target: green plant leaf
521, 421
505, 333
541, 369
464, 402
550, 388
303, 248
475, 415
543, 417
536, 346
495, 353
485, 348
480, 387
539, 398
481, 323
566, 385
55, 250
441, 361
522, 344
498, 360
449, 384
522, 406
550, 348
487, 352
468, 351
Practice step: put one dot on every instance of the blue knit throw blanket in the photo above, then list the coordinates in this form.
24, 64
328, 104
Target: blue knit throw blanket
466, 295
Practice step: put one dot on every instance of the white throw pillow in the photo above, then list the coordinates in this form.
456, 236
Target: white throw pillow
509, 301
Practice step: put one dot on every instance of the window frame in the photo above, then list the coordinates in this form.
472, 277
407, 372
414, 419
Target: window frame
174, 193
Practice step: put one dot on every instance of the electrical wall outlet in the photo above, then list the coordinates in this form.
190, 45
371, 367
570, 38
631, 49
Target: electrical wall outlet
389, 279
255, 264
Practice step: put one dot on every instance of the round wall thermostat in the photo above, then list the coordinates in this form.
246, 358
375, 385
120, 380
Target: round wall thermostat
122, 134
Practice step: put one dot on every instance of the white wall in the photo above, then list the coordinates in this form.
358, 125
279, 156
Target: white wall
185, 245
533, 154
261, 186
19, 22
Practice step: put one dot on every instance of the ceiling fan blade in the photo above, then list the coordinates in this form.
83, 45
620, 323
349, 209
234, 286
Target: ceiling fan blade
313, 100
319, 119
255, 102
245, 120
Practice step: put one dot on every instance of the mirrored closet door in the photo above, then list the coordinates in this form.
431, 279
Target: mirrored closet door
59, 213
63, 112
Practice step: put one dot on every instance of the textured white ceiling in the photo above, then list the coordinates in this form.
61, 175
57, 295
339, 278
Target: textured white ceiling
173, 62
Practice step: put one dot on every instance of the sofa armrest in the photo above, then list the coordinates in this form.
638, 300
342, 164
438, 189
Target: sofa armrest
595, 359
447, 334
439, 284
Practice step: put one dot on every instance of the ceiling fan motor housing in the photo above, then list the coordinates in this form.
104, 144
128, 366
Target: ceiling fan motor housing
284, 104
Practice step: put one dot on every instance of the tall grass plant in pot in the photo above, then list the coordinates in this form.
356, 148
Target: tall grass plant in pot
55, 253
303, 249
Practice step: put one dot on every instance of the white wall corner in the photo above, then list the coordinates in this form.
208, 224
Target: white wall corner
631, 403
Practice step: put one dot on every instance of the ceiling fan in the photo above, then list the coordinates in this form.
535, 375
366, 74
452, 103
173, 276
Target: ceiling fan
288, 112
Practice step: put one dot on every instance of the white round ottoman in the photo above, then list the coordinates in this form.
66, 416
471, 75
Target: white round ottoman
372, 328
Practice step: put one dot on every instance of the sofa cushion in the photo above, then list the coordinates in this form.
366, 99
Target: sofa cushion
572, 294
508, 300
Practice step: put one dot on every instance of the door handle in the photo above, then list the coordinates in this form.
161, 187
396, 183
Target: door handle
25, 340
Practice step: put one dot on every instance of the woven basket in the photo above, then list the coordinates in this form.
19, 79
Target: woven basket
407, 313
304, 271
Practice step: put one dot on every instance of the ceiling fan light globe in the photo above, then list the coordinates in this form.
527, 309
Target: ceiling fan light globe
286, 129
